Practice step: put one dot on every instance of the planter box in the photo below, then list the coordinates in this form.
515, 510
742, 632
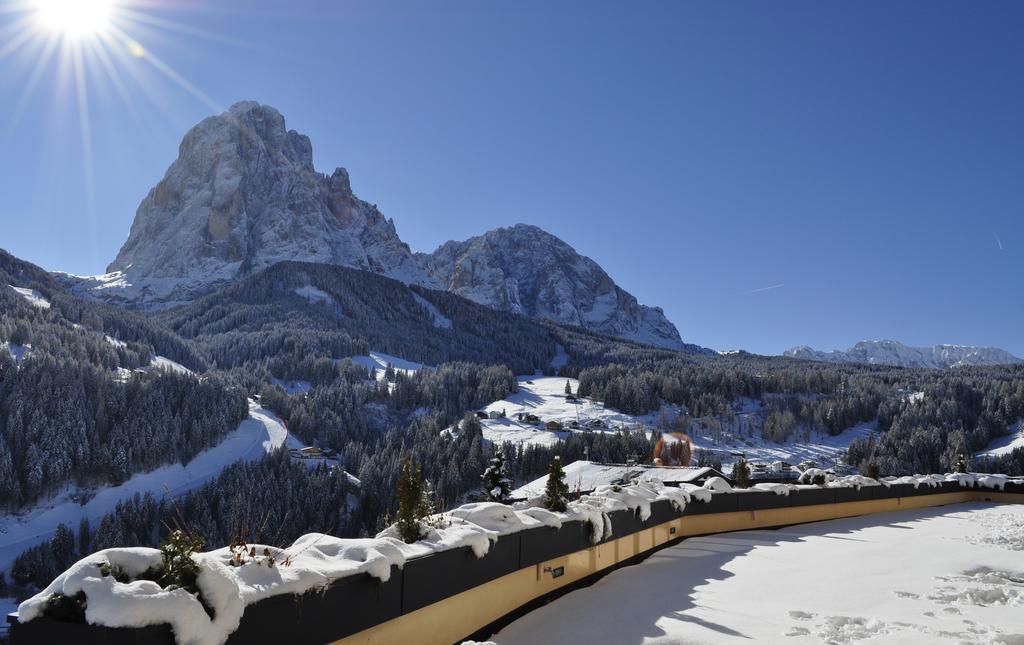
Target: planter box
545, 543
48, 630
435, 577
720, 503
624, 523
348, 606
1014, 487
949, 487
663, 511
884, 492
759, 500
809, 496
902, 490
851, 494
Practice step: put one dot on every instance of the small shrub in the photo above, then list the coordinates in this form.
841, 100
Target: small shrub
69, 609
179, 569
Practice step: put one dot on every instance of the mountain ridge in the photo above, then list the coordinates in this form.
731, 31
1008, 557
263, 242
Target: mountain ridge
243, 194
894, 353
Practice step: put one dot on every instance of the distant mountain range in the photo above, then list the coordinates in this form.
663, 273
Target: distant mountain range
891, 352
243, 195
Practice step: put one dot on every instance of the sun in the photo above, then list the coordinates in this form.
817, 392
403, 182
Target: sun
74, 19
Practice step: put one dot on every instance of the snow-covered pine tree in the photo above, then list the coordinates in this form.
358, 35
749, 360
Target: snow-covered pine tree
496, 483
557, 491
961, 464
568, 387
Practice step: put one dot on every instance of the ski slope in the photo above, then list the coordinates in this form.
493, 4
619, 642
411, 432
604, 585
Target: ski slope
34, 297
257, 435
379, 361
950, 574
1005, 445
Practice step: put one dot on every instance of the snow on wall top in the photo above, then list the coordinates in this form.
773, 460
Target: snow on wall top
315, 560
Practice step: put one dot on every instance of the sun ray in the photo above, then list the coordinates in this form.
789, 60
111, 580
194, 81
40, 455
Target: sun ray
82, 96
139, 18
173, 75
28, 90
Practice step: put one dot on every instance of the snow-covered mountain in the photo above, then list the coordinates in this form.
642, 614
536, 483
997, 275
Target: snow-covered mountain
243, 194
529, 271
891, 352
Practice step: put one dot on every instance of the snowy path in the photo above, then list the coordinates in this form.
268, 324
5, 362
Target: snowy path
953, 574
257, 435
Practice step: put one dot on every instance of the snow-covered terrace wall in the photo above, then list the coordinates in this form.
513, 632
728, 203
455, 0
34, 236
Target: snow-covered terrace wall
382, 591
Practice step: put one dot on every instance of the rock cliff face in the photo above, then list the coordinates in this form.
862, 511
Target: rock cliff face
891, 352
526, 270
241, 196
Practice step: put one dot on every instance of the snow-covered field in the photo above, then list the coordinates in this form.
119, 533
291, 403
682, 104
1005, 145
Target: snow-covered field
820, 448
544, 397
257, 435
951, 574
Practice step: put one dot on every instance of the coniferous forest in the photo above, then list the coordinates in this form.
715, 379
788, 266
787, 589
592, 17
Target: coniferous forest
81, 405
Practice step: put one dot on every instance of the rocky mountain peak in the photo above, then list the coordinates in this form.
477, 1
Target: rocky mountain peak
891, 352
527, 270
242, 195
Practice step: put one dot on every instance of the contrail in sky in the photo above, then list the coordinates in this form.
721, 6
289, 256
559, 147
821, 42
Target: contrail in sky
774, 286
999, 241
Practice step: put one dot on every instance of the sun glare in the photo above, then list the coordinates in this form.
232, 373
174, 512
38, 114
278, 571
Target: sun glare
74, 18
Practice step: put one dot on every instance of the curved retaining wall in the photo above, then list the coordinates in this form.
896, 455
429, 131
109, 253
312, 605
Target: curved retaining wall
446, 597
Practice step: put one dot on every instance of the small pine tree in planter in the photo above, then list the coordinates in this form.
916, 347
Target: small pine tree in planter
556, 492
413, 504
961, 464
741, 473
496, 483
871, 469
179, 569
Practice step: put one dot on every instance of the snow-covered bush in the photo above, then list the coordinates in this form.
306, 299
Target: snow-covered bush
815, 476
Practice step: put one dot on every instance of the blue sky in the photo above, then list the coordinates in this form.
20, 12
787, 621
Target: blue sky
868, 157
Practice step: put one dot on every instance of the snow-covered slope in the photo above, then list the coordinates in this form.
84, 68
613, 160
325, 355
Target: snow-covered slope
34, 297
242, 195
257, 435
544, 398
891, 352
1005, 445
529, 271
938, 575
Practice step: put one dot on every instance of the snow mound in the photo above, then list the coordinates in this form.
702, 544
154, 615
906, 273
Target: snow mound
778, 489
313, 561
718, 485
